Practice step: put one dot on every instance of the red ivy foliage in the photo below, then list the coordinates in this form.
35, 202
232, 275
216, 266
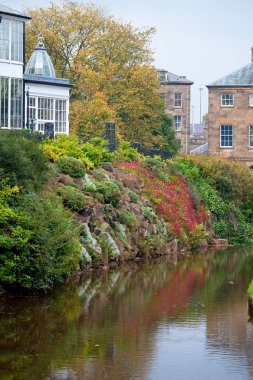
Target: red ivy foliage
171, 199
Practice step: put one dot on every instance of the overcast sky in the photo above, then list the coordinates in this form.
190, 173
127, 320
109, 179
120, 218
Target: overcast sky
202, 39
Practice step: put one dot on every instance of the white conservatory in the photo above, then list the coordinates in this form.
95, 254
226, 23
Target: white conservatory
33, 97
47, 97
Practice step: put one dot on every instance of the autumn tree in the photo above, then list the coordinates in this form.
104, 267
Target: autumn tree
110, 64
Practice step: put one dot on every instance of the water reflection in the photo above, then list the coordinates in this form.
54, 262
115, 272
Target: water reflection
156, 320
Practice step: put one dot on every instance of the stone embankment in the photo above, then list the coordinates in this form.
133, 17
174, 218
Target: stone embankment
117, 222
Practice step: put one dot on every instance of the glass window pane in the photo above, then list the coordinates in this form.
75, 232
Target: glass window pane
4, 96
4, 38
16, 103
226, 136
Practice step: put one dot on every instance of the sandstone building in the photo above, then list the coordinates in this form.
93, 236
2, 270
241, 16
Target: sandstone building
230, 115
176, 92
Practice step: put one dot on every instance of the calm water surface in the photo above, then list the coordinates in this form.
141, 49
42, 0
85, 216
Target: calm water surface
156, 320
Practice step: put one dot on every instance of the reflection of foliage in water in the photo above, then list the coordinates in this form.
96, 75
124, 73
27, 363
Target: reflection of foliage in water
106, 316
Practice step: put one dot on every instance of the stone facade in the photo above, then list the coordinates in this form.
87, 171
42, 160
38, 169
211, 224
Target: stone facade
230, 116
171, 86
240, 116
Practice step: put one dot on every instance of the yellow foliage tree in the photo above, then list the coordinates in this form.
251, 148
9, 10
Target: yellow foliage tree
110, 64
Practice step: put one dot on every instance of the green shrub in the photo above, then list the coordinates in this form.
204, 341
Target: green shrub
125, 152
127, 218
250, 291
100, 175
97, 151
133, 196
22, 161
39, 244
92, 153
71, 166
225, 188
108, 167
72, 197
152, 163
66, 146
110, 191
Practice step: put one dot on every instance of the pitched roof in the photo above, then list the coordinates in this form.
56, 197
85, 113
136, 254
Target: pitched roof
11, 12
173, 78
241, 77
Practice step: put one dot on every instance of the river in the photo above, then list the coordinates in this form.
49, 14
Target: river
163, 319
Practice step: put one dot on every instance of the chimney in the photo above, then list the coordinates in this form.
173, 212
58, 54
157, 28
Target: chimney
252, 54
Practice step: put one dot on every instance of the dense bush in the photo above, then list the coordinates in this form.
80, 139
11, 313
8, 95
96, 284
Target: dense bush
97, 151
110, 191
71, 166
225, 187
38, 242
22, 161
72, 197
92, 153
125, 152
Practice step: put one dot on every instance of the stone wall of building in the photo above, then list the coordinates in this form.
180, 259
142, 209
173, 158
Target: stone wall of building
167, 91
240, 116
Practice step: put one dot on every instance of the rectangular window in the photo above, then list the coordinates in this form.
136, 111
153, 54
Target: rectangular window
46, 109
251, 136
178, 100
60, 115
250, 100
16, 103
163, 77
177, 122
32, 108
226, 136
4, 96
11, 40
4, 38
227, 100
17, 41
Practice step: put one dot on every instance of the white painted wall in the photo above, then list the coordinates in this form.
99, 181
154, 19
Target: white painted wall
11, 70
37, 89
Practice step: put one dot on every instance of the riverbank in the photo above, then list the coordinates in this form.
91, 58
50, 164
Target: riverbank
70, 206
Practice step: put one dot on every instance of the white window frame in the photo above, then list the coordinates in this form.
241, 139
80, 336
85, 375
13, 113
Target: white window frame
250, 136
9, 117
63, 120
175, 100
9, 59
177, 124
223, 135
226, 97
